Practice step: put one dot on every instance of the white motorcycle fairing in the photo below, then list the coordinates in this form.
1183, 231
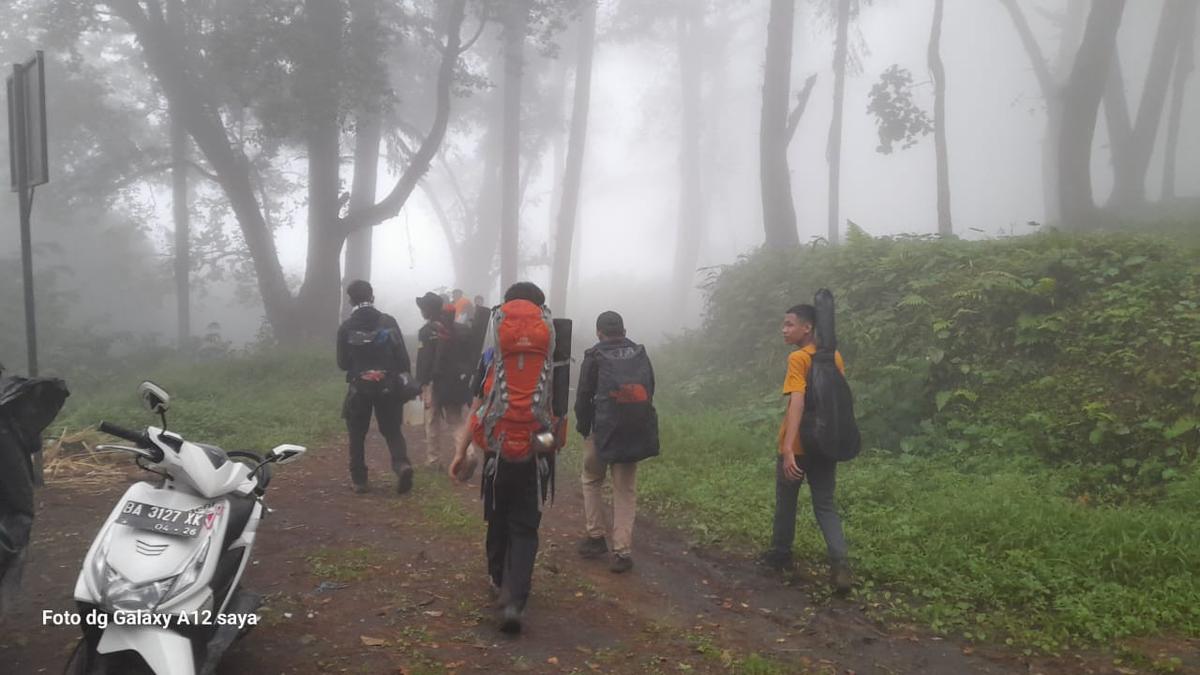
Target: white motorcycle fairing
203, 468
165, 651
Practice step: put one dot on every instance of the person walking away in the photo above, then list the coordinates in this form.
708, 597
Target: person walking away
443, 373
614, 412
794, 463
512, 421
370, 348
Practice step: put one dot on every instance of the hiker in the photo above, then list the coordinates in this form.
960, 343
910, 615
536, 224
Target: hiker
512, 420
794, 464
370, 348
462, 306
614, 413
442, 373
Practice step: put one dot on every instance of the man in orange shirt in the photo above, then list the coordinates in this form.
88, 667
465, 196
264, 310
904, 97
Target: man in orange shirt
793, 465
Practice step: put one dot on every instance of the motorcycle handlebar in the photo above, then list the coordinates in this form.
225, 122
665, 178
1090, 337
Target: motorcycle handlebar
138, 438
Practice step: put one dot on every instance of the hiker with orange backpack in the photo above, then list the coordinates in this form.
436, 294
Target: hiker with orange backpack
614, 412
514, 422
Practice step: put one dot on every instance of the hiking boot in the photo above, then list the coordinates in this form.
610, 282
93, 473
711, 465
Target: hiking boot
510, 621
620, 564
404, 480
774, 560
592, 547
840, 577
360, 488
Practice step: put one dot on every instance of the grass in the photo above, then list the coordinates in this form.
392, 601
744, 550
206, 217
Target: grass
247, 402
343, 564
991, 548
987, 545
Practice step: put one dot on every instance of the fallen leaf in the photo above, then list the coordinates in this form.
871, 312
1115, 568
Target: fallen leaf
372, 641
435, 613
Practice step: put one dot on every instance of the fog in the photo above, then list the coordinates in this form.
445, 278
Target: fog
627, 227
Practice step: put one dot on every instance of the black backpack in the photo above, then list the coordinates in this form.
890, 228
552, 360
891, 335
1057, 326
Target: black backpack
626, 424
372, 357
828, 425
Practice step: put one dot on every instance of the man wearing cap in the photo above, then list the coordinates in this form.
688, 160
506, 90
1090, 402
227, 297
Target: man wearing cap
614, 412
442, 374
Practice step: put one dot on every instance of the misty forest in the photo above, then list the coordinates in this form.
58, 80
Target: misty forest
1003, 197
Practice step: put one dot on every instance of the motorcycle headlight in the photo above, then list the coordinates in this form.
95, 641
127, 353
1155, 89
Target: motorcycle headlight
191, 572
120, 594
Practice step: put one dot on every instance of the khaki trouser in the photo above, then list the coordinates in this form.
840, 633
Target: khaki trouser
441, 424
624, 498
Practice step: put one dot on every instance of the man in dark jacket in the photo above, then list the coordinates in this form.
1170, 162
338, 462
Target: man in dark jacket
370, 348
443, 373
614, 412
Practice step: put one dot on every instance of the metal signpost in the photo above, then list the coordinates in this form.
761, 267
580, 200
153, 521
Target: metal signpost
28, 168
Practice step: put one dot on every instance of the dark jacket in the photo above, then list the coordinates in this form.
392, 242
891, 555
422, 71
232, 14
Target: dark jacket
369, 318
626, 445
442, 361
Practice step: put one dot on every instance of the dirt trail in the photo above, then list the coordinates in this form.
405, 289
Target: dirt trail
383, 584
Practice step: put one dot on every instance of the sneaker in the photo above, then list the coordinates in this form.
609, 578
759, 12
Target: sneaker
592, 547
774, 560
360, 488
404, 480
620, 564
841, 577
510, 621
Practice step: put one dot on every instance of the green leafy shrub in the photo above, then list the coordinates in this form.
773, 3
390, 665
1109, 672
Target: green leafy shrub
1082, 349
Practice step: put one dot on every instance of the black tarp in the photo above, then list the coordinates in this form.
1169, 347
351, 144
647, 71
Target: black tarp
27, 407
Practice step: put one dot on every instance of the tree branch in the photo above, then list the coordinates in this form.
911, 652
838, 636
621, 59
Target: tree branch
474, 38
394, 201
793, 120
1045, 79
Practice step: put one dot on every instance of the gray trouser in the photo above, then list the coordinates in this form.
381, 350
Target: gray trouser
821, 476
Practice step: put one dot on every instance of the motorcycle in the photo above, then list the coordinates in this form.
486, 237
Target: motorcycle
160, 588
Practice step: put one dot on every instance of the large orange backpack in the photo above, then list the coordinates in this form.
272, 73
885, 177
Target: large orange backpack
517, 390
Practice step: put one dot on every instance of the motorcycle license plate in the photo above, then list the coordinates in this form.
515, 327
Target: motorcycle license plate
161, 519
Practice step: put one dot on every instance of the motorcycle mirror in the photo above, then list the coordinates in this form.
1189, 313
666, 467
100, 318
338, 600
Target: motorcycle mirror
287, 452
154, 397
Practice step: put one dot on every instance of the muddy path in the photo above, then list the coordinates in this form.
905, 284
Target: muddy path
378, 583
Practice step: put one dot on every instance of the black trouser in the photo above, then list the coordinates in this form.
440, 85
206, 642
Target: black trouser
821, 475
511, 507
389, 411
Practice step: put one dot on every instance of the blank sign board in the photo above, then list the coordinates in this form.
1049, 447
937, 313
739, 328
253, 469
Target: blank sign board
28, 165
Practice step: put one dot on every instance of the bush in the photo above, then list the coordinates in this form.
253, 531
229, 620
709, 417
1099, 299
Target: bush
1083, 349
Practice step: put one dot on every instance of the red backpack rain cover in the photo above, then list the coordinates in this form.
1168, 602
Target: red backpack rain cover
516, 391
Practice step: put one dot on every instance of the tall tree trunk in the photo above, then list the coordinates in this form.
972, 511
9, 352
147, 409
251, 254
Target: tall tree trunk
945, 228
692, 222
1185, 63
318, 90
1081, 104
365, 49
1129, 188
558, 136
573, 174
179, 197
480, 247
1049, 82
779, 211
833, 152
368, 134
515, 20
